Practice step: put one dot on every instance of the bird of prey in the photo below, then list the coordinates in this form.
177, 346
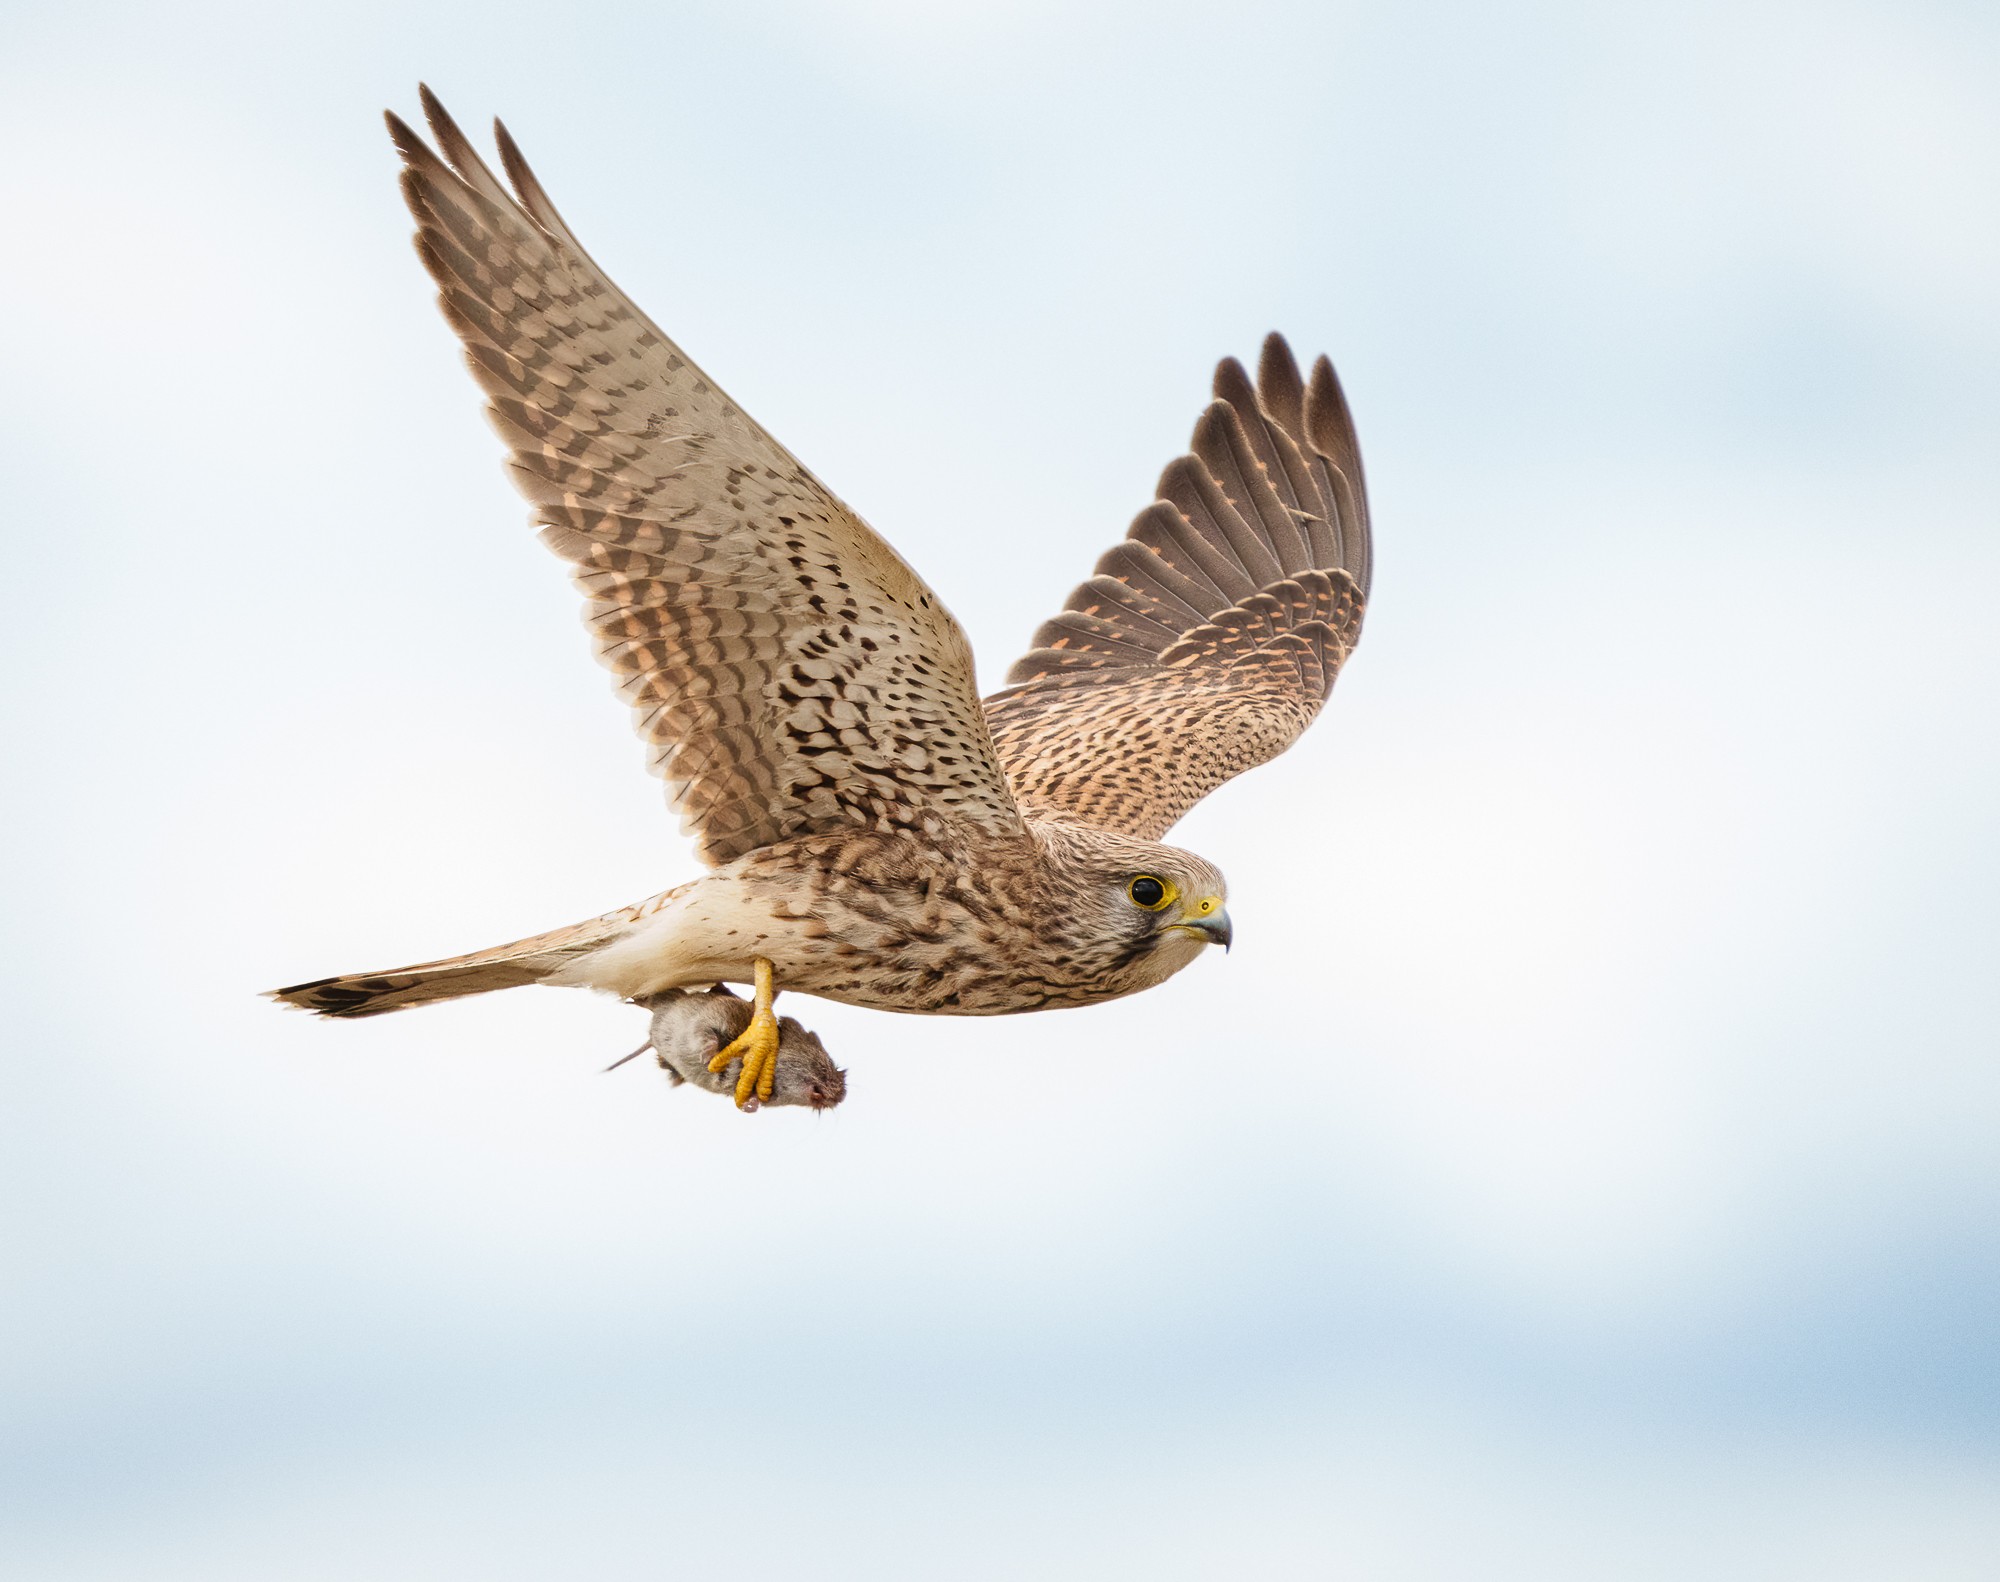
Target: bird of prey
876, 832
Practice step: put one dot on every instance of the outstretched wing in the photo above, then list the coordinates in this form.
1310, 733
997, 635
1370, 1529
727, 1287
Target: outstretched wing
789, 672
1208, 639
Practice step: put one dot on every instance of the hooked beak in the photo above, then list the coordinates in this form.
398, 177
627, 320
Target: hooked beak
1213, 927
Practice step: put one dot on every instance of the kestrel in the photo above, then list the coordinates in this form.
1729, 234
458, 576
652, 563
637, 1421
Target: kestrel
876, 832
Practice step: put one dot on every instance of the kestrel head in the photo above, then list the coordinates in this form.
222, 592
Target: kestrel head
1135, 911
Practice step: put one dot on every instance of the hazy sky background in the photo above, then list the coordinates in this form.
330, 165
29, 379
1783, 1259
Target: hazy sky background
1585, 1164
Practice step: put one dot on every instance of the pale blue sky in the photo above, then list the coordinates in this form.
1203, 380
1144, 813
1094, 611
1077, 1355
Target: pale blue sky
1585, 1163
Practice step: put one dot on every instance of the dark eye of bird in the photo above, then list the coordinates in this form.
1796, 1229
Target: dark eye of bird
1146, 891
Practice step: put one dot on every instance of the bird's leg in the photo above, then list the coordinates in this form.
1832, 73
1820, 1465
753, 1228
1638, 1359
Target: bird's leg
758, 1046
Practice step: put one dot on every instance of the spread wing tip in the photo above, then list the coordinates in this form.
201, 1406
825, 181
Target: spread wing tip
1219, 622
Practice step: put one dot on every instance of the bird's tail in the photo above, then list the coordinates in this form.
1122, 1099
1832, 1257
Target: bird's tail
530, 960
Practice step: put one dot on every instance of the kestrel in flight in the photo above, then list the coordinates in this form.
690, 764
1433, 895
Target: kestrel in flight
877, 833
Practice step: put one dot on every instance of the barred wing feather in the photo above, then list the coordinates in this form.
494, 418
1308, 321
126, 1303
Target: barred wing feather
1207, 640
790, 673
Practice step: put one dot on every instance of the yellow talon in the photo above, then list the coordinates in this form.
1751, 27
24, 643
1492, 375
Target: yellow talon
757, 1046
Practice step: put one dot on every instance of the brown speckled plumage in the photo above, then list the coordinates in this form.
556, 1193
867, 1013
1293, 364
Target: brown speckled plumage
876, 831
1208, 639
